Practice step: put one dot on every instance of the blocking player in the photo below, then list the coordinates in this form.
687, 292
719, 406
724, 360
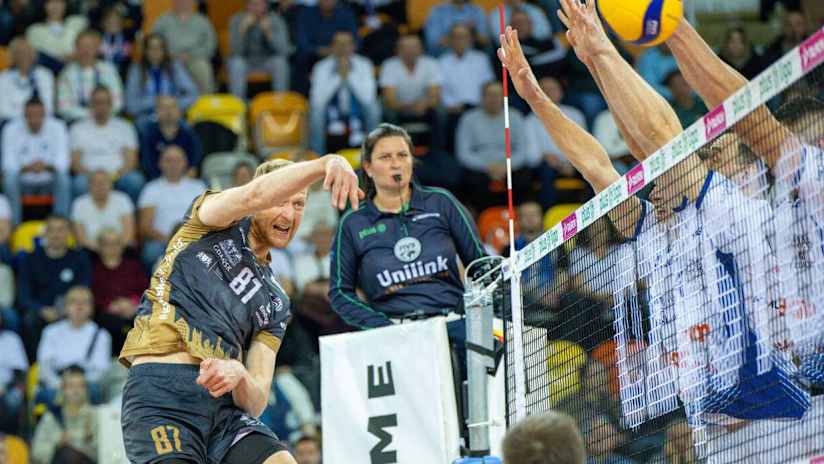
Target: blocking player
700, 227
798, 167
203, 347
790, 146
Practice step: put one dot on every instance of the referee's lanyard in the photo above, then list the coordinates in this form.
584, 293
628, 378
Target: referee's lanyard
84, 96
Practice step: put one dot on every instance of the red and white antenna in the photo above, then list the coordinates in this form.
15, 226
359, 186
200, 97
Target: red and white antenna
508, 145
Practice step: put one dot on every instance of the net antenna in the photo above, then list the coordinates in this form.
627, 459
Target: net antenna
515, 294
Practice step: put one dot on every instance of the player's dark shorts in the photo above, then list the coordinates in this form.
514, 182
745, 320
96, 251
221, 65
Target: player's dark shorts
166, 414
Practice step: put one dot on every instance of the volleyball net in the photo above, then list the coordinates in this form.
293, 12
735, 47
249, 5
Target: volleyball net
679, 314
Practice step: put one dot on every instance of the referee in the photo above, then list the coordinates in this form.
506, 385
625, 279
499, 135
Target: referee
403, 246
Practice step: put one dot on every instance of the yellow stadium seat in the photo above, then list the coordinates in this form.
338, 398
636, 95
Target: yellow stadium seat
557, 213
352, 155
32, 378
24, 235
224, 109
153, 9
565, 183
5, 58
16, 450
221, 12
279, 121
564, 362
417, 11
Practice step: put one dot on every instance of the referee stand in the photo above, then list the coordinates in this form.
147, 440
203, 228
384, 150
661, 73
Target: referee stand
482, 278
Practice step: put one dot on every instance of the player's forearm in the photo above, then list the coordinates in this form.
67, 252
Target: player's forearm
250, 396
632, 144
647, 117
579, 147
703, 70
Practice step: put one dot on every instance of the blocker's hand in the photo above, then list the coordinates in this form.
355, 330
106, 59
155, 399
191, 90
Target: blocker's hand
342, 181
512, 56
220, 376
585, 32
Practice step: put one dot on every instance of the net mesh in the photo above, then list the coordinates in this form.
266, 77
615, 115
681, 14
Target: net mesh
679, 314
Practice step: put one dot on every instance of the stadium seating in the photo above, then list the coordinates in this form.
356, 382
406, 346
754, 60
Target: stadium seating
564, 362
217, 168
352, 155
5, 58
25, 236
279, 121
493, 226
16, 450
153, 9
211, 113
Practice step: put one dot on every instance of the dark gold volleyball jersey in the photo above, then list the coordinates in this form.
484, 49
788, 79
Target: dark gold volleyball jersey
208, 296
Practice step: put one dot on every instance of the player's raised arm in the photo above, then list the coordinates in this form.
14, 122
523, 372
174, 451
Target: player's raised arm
222, 209
715, 81
581, 149
645, 115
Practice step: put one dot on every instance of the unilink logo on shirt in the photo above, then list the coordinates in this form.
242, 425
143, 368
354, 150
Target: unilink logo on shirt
715, 123
570, 226
635, 179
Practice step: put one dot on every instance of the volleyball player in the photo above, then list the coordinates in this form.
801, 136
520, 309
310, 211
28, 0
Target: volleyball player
790, 148
705, 237
203, 347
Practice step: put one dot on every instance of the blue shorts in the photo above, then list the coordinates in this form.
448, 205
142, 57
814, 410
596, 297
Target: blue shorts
774, 394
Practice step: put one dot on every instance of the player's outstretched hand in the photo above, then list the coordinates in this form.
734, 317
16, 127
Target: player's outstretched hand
342, 181
585, 32
220, 376
512, 56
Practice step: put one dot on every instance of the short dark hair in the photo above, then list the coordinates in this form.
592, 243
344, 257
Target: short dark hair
548, 438
383, 131
57, 217
73, 369
799, 108
101, 88
34, 101
309, 438
672, 75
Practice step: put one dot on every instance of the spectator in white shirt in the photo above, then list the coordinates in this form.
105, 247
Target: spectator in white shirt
343, 97
411, 86
55, 37
105, 142
24, 79
551, 162
101, 209
464, 70
312, 265
36, 159
79, 78
164, 201
76, 340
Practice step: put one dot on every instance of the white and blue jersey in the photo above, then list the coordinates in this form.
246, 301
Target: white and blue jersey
405, 263
799, 248
712, 265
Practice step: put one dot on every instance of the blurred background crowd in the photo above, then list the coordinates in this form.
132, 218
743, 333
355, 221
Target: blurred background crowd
115, 114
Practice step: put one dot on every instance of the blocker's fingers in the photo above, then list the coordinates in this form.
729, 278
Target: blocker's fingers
564, 19
217, 393
327, 182
336, 187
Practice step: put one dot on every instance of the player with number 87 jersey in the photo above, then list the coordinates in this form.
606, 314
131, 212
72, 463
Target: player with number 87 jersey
203, 347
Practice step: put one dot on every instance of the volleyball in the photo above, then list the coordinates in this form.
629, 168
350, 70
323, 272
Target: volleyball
642, 22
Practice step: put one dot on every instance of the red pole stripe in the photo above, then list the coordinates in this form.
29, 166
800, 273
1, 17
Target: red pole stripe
508, 145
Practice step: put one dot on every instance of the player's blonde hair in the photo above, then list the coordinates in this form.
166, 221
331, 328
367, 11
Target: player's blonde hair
272, 165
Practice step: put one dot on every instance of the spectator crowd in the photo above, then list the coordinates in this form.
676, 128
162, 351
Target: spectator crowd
100, 161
